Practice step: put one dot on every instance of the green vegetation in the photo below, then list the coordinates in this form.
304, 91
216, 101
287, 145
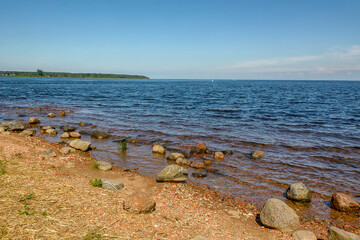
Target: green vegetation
3, 232
45, 214
93, 236
41, 73
95, 165
2, 168
96, 182
25, 212
123, 145
28, 196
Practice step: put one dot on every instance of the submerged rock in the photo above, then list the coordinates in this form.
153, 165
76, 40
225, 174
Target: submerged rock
68, 128
51, 115
99, 135
276, 214
218, 156
34, 121
298, 192
257, 154
80, 145
199, 175
207, 162
335, 233
172, 173
65, 135
139, 202
174, 156
183, 161
158, 149
344, 203
197, 165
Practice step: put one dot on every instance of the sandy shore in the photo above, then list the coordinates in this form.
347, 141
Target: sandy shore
44, 197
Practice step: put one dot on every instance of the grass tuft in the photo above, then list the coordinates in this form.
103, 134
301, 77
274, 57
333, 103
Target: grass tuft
94, 166
2, 168
96, 182
25, 212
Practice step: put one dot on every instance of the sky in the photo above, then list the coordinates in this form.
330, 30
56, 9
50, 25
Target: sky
187, 39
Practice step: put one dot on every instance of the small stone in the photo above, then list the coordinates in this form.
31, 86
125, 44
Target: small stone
51, 115
277, 214
211, 170
68, 128
28, 132
199, 175
65, 135
218, 156
111, 184
227, 152
62, 114
51, 131
172, 173
66, 150
202, 146
335, 233
75, 135
197, 165
139, 202
81, 124
182, 161
158, 149
257, 154
48, 152
34, 121
304, 235
47, 127
174, 156
344, 203
105, 166
99, 135
298, 192
80, 145
207, 162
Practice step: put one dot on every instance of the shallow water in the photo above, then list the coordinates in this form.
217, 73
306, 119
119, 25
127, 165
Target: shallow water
309, 130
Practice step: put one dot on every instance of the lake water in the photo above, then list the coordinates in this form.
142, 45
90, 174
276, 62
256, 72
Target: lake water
309, 130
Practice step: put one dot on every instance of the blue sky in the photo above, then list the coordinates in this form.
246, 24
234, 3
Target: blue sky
222, 39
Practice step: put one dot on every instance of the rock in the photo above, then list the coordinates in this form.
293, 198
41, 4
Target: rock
47, 127
344, 203
304, 235
65, 135
62, 114
34, 121
66, 150
99, 134
183, 161
211, 170
298, 192
83, 132
227, 152
197, 165
12, 126
174, 156
75, 135
202, 146
105, 166
112, 184
218, 156
208, 151
51, 115
276, 214
199, 175
335, 233
48, 152
70, 164
172, 173
28, 132
139, 202
68, 128
81, 124
196, 150
257, 154
2, 129
207, 162
158, 149
51, 131
80, 145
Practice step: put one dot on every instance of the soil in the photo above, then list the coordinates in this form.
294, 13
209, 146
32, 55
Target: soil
44, 197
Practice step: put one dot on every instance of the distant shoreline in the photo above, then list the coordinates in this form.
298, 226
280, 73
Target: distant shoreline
42, 74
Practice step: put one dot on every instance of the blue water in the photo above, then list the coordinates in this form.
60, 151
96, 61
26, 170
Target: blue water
309, 130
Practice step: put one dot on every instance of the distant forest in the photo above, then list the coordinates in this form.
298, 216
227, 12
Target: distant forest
41, 73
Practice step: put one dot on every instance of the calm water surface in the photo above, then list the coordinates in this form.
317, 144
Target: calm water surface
309, 130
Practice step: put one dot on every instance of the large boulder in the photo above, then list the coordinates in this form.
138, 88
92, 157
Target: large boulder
158, 149
298, 192
174, 156
304, 235
12, 126
139, 202
80, 145
172, 173
33, 120
344, 203
276, 214
99, 134
335, 233
111, 184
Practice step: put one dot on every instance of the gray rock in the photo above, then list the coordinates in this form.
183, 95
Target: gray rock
304, 235
172, 173
105, 166
48, 152
12, 126
335, 233
298, 192
99, 134
68, 128
66, 150
276, 214
51, 131
174, 156
80, 145
111, 184
28, 132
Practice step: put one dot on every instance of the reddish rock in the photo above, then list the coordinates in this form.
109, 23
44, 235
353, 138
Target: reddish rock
139, 202
197, 165
51, 115
344, 203
218, 156
257, 154
34, 121
207, 162
202, 146
62, 114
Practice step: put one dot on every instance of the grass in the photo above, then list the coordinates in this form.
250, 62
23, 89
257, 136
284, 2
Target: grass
123, 145
93, 236
25, 212
2, 168
94, 166
96, 182
28, 196
3, 232
45, 214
